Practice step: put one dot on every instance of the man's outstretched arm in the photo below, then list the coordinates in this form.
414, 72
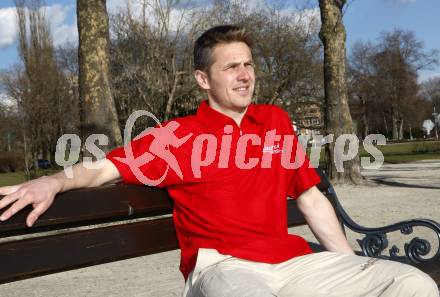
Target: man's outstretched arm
321, 218
41, 192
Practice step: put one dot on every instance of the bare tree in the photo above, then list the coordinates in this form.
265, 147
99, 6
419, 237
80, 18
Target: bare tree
431, 91
9, 128
361, 85
38, 85
151, 55
289, 59
152, 59
384, 81
98, 109
338, 120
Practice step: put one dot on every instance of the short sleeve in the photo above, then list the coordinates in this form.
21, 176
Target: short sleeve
131, 173
156, 159
304, 176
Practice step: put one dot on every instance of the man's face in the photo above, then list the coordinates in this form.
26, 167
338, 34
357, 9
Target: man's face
231, 80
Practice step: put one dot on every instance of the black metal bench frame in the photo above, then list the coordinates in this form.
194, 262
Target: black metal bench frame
51, 245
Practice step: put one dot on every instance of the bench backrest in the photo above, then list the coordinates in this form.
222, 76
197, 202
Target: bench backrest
137, 221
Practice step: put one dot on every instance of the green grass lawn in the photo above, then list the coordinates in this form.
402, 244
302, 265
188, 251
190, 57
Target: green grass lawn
404, 152
395, 159
394, 153
7, 179
408, 152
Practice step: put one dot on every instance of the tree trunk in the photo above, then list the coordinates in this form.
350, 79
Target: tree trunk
386, 125
366, 129
25, 151
401, 129
337, 116
395, 123
98, 107
171, 94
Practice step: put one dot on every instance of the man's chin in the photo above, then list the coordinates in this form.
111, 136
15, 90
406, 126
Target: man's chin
242, 106
244, 101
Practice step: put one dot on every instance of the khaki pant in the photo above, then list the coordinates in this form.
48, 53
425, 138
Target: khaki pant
325, 274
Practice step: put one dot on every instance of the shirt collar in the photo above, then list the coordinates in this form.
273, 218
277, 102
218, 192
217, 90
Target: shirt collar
213, 120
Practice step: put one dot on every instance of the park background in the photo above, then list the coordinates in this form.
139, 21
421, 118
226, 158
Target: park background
392, 87
52, 84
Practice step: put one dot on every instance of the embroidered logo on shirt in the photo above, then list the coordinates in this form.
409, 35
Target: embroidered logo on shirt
272, 149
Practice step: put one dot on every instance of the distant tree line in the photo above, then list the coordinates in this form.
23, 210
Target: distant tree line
386, 96
145, 62
46, 103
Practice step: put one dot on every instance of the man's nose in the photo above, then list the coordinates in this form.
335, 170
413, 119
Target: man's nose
243, 73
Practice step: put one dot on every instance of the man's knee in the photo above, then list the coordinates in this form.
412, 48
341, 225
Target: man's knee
417, 283
220, 282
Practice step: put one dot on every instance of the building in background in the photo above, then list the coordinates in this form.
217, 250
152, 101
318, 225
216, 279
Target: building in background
309, 119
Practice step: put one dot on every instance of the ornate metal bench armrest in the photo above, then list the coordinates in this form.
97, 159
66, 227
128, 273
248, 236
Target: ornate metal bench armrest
375, 240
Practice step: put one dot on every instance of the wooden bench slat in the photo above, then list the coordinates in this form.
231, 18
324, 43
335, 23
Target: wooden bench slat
107, 204
39, 256
88, 206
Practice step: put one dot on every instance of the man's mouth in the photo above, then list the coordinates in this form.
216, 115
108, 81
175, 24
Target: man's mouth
243, 90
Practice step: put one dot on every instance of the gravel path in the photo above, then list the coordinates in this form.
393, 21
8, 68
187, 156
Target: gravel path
395, 192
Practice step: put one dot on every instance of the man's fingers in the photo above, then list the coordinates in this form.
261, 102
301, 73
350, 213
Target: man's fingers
8, 190
9, 199
35, 214
16, 207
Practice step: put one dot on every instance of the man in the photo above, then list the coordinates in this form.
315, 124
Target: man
229, 184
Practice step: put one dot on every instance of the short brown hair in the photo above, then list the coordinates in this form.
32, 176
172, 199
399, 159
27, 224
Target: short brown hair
206, 43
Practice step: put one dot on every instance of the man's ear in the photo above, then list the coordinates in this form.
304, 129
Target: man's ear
202, 79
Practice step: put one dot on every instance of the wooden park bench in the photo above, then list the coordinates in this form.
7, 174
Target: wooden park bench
129, 221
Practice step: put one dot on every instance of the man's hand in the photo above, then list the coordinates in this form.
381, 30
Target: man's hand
39, 193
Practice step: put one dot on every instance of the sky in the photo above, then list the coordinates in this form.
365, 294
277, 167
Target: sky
365, 20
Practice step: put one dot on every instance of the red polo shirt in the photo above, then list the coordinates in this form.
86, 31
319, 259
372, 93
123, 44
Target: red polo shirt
220, 201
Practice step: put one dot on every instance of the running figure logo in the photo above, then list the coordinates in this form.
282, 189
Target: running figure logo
163, 138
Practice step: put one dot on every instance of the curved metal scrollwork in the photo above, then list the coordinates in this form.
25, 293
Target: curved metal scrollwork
394, 252
373, 244
375, 240
406, 229
417, 248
